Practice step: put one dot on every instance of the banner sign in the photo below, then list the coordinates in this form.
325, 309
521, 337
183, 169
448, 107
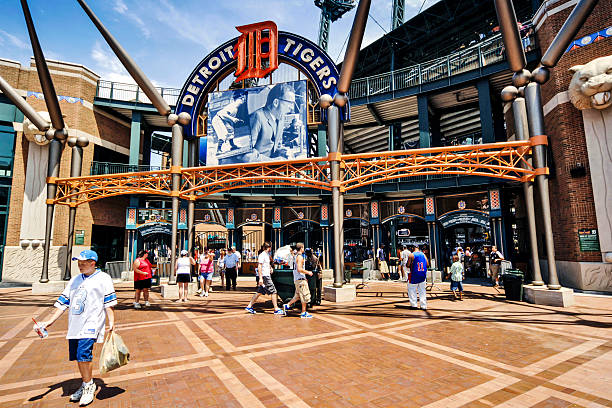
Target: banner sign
229, 224
292, 49
324, 215
276, 221
130, 218
256, 124
464, 217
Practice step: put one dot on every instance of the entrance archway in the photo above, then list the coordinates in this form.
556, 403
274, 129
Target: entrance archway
468, 228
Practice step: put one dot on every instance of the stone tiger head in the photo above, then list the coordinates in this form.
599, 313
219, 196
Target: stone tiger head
591, 85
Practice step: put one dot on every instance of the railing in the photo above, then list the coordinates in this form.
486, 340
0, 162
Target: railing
132, 93
477, 56
98, 168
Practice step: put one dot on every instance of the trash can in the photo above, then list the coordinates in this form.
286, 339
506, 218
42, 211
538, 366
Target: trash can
283, 281
513, 284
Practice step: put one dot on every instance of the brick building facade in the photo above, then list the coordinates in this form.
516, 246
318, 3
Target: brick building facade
571, 191
76, 88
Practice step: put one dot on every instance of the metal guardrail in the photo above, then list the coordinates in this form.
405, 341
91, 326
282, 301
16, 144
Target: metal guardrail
132, 93
477, 56
487, 52
99, 168
114, 268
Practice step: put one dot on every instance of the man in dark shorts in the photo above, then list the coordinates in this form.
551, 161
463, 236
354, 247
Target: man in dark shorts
265, 285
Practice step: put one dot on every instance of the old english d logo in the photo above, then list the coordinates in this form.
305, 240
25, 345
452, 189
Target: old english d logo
249, 50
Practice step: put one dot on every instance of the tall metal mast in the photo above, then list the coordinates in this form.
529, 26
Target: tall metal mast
397, 18
331, 10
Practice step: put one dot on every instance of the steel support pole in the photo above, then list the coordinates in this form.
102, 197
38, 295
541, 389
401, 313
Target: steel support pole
129, 64
353, 46
191, 162
510, 34
341, 203
177, 157
75, 171
23, 106
522, 133
568, 32
55, 153
333, 130
535, 116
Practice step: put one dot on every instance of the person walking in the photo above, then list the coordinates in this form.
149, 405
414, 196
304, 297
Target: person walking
232, 259
418, 275
382, 262
404, 256
143, 273
302, 292
495, 259
183, 274
90, 296
206, 267
457, 275
265, 286
221, 266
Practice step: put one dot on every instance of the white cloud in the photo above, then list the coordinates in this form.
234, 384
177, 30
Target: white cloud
122, 8
13, 40
108, 66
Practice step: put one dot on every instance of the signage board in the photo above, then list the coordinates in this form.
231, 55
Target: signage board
588, 239
257, 124
464, 217
155, 228
79, 237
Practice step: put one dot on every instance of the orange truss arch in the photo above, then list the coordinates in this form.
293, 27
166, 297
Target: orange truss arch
506, 161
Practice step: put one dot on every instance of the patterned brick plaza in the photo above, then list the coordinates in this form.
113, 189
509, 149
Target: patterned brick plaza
374, 352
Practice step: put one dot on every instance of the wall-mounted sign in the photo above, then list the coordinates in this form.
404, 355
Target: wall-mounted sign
255, 62
588, 239
155, 228
206, 217
461, 205
348, 213
300, 215
401, 209
79, 237
253, 217
464, 217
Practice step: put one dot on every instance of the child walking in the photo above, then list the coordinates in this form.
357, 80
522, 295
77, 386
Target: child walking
90, 296
457, 275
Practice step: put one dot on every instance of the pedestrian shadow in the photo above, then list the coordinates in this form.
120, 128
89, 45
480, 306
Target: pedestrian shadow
70, 386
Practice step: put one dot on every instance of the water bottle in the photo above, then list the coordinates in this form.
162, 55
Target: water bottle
40, 330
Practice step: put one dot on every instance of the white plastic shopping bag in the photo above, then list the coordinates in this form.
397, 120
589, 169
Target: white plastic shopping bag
114, 353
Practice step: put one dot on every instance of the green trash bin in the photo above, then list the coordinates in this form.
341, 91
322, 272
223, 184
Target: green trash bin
283, 281
513, 284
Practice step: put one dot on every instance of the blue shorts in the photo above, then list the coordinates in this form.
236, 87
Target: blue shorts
206, 276
456, 285
81, 349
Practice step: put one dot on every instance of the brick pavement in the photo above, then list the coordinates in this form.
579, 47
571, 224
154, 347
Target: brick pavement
374, 352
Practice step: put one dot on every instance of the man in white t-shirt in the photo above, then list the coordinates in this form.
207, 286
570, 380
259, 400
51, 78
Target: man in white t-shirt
404, 255
265, 285
90, 296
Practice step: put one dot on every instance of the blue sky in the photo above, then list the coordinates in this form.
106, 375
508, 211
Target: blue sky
167, 38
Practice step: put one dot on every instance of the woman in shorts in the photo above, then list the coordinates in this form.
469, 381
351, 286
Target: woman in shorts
183, 274
207, 270
142, 278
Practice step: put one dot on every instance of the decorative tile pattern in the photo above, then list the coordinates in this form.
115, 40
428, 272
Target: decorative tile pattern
373, 352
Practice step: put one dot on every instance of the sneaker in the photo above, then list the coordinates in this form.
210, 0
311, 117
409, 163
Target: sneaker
199, 291
77, 394
305, 315
137, 305
88, 394
147, 303
280, 312
250, 310
201, 294
210, 290
206, 294
286, 307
